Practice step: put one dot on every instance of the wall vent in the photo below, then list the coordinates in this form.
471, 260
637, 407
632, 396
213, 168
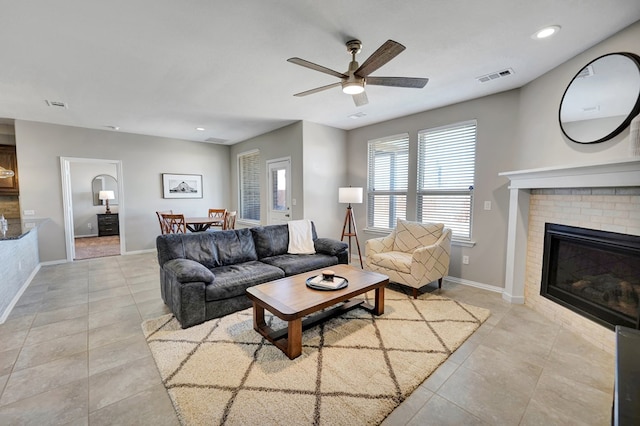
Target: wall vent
495, 75
57, 104
216, 140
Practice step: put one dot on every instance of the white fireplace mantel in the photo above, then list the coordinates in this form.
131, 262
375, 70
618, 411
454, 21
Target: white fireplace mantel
610, 174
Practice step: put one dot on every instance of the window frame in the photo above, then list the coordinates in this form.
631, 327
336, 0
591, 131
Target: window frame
448, 191
241, 180
402, 138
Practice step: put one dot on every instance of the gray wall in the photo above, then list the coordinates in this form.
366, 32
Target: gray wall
84, 212
318, 167
496, 132
144, 159
540, 141
280, 143
325, 170
516, 130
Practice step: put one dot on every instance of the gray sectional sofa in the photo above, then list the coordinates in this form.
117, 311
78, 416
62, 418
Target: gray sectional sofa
204, 275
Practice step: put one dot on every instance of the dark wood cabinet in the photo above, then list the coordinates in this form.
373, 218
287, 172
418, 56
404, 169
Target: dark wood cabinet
8, 160
108, 224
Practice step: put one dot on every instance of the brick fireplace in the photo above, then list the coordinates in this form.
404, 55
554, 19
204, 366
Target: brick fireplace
596, 196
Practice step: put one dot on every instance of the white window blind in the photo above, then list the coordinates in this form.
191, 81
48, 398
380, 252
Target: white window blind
446, 172
387, 181
249, 185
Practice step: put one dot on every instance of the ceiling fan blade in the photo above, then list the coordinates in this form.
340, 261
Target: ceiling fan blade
389, 50
360, 99
316, 67
415, 83
318, 89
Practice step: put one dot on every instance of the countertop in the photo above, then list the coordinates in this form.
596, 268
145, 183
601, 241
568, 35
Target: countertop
18, 228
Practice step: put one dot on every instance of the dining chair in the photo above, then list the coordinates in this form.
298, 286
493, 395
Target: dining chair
229, 220
163, 229
174, 223
218, 214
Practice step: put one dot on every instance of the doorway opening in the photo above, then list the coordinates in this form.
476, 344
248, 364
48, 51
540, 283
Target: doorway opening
92, 227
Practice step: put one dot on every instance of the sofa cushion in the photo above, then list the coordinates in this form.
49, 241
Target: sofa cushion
293, 264
198, 247
233, 280
411, 235
270, 240
394, 260
273, 240
234, 246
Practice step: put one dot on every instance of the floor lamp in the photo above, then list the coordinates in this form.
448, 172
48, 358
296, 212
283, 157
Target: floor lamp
350, 195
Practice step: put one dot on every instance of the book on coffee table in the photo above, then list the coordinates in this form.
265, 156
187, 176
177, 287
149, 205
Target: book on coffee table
318, 281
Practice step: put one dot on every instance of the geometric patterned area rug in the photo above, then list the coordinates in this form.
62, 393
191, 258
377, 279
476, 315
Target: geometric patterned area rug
354, 369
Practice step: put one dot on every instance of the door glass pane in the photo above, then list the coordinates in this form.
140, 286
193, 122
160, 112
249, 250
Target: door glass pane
279, 190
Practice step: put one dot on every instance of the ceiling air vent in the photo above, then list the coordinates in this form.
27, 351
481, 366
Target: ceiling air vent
57, 104
217, 140
495, 75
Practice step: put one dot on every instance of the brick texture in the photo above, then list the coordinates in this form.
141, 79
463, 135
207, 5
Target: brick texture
607, 209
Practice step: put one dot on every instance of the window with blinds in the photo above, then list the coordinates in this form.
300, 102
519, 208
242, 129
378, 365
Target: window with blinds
387, 181
446, 172
249, 185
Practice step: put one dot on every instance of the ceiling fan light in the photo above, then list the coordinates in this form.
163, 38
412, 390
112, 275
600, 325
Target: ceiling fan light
353, 87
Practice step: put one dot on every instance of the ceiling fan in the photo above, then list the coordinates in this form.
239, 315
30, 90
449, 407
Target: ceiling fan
357, 77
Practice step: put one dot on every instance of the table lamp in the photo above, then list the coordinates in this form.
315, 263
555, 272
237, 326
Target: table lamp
106, 196
350, 195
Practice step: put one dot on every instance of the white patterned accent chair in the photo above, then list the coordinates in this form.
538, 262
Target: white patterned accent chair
414, 254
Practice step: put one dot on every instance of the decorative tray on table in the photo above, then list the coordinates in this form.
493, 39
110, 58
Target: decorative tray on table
317, 282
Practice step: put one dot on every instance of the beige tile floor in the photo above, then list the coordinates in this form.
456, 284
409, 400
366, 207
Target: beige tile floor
72, 352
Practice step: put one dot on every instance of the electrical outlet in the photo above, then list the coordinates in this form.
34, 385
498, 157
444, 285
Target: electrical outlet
90, 225
465, 260
487, 205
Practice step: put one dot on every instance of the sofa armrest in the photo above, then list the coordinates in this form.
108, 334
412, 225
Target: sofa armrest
379, 245
329, 246
185, 271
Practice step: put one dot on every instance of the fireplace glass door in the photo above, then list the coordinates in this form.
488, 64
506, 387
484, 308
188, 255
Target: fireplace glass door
594, 273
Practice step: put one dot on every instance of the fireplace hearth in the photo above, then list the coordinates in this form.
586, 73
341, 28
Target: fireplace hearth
594, 273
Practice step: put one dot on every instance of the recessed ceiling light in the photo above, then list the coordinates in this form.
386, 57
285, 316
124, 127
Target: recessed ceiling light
546, 32
200, 129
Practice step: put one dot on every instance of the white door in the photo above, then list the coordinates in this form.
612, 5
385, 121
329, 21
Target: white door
279, 191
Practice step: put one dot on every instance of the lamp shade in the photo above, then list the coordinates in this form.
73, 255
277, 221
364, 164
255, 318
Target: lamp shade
350, 195
106, 195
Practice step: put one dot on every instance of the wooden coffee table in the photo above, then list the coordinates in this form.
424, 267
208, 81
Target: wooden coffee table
290, 300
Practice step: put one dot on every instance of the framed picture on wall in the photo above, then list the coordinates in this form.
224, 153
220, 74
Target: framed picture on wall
181, 186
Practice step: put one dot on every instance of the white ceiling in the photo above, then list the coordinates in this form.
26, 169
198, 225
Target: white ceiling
165, 67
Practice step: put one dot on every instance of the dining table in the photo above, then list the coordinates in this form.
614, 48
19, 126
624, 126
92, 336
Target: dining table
201, 224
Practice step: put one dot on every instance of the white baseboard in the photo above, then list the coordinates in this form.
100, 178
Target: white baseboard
127, 253
470, 283
15, 299
53, 262
519, 300
85, 236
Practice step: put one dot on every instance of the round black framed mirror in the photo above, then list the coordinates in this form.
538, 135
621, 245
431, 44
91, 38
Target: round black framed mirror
601, 99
